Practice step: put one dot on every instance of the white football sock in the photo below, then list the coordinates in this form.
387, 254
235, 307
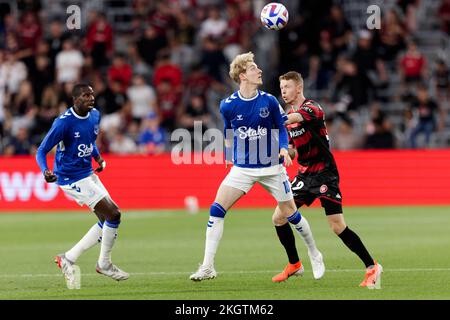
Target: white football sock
90, 239
305, 232
109, 236
214, 233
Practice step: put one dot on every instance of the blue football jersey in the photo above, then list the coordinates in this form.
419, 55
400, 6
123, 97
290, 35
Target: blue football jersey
257, 128
75, 137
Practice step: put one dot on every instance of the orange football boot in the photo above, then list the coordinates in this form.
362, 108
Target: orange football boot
295, 269
372, 279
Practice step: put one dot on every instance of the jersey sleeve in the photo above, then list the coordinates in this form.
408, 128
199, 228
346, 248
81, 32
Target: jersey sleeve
309, 111
280, 118
53, 137
95, 151
226, 128
226, 120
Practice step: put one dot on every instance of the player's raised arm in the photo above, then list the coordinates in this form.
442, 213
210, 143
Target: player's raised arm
53, 137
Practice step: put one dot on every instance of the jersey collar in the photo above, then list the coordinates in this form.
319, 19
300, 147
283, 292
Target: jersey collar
250, 99
78, 116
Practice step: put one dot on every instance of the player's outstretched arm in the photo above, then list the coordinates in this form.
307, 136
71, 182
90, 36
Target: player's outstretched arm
285, 154
294, 118
292, 152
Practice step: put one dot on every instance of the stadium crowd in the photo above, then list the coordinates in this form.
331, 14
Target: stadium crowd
170, 69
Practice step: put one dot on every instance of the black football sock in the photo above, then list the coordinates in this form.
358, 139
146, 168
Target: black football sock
354, 243
287, 239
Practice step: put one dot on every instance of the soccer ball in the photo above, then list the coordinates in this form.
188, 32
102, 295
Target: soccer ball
274, 16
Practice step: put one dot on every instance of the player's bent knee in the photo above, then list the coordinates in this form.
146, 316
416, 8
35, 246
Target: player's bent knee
287, 207
114, 215
337, 227
278, 220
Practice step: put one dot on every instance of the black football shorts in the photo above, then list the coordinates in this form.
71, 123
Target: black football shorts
324, 185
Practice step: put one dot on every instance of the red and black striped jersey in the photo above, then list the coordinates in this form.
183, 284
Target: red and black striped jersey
310, 138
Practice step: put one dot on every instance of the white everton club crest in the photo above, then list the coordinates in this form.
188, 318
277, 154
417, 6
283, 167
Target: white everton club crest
96, 129
264, 112
323, 188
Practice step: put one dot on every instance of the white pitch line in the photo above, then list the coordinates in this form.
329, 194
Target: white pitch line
28, 275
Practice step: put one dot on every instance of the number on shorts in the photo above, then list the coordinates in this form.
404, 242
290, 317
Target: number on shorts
297, 184
286, 186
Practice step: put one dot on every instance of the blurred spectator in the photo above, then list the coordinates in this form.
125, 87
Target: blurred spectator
367, 60
142, 98
233, 32
444, 15
23, 101
30, 33
427, 111
322, 65
122, 144
389, 39
213, 59
196, 110
346, 138
409, 10
141, 7
55, 40
150, 44
168, 104
198, 82
352, 87
100, 41
165, 70
46, 113
29, 30
41, 76
120, 71
12, 72
338, 28
153, 137
19, 144
441, 77
412, 66
181, 55
109, 99
68, 63
65, 95
185, 29
162, 19
137, 63
214, 26
379, 133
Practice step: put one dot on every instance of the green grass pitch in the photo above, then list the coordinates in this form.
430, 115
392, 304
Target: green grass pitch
161, 248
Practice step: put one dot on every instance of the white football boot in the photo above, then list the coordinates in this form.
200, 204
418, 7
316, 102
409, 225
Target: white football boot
317, 265
113, 272
71, 272
204, 273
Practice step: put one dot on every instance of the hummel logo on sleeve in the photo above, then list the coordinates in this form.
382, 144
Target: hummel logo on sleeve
65, 114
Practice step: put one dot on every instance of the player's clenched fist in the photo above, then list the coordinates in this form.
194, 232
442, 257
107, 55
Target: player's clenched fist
101, 164
49, 176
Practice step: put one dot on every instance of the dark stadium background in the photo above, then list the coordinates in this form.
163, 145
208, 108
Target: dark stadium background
157, 66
